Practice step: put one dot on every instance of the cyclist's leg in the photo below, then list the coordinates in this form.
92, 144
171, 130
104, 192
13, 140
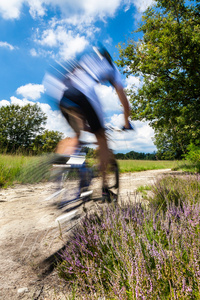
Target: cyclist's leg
67, 146
95, 122
103, 153
94, 117
73, 116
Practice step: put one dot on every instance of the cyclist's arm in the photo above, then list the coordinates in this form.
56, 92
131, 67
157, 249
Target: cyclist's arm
124, 101
117, 83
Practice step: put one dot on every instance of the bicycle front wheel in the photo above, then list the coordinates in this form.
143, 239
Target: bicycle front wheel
70, 186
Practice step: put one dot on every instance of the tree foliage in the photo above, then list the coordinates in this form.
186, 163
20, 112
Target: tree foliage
47, 141
22, 129
168, 62
19, 125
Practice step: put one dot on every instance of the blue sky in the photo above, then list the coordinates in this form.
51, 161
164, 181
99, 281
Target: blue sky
33, 33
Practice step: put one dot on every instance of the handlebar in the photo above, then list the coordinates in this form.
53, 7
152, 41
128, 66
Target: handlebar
130, 127
111, 128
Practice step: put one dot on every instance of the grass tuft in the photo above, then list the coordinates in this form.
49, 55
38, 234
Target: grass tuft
144, 165
23, 169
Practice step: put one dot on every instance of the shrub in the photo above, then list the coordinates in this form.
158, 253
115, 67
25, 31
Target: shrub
193, 156
134, 252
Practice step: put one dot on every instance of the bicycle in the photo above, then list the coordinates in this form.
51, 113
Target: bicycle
79, 180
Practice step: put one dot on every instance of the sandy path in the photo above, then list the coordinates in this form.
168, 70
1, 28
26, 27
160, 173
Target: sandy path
29, 235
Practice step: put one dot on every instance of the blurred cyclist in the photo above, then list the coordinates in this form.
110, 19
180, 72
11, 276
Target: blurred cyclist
81, 106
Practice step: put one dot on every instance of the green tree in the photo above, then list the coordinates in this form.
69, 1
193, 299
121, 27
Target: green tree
168, 62
47, 141
19, 126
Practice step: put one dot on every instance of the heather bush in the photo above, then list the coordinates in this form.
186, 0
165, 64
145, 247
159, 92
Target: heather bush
136, 252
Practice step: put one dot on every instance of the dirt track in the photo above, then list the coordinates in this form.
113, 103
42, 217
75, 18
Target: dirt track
30, 235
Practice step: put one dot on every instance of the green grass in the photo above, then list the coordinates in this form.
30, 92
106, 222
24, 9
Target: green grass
22, 169
32, 169
143, 190
188, 166
143, 165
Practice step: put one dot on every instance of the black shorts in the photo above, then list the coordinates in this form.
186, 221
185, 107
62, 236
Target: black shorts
74, 99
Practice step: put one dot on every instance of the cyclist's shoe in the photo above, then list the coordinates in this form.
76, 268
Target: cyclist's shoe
106, 195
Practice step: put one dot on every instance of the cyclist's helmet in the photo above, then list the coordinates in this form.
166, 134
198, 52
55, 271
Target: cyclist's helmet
104, 53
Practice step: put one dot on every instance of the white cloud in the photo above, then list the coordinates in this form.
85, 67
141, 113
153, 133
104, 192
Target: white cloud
139, 140
31, 91
33, 52
117, 120
16, 101
101, 8
7, 45
88, 8
108, 98
4, 103
79, 21
68, 42
11, 9
42, 52
62, 38
132, 82
36, 8
142, 5
49, 38
73, 45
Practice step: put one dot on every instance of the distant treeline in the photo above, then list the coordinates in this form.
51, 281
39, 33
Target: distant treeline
136, 155
93, 153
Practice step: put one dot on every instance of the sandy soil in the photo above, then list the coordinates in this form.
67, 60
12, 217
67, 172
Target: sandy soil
30, 235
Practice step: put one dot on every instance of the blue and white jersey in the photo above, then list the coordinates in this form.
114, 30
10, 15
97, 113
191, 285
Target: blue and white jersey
93, 69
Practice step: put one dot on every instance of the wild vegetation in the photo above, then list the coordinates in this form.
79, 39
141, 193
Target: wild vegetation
23, 169
134, 251
32, 169
167, 62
